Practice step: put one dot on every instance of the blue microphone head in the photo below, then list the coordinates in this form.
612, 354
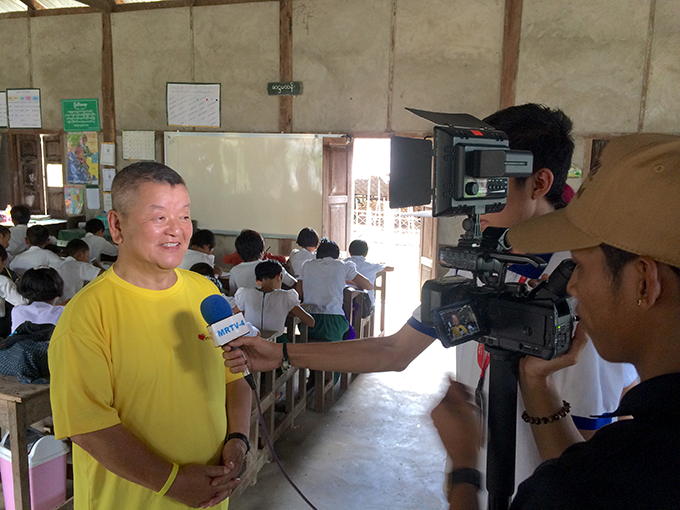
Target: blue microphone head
214, 308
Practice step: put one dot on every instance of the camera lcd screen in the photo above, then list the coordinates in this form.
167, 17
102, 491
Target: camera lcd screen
457, 323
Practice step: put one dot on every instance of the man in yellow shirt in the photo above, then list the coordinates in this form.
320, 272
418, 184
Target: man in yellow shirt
141, 397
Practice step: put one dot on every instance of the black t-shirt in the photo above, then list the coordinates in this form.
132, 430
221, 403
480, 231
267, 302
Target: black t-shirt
630, 464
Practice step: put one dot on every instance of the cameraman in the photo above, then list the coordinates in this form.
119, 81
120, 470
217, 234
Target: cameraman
596, 385
624, 232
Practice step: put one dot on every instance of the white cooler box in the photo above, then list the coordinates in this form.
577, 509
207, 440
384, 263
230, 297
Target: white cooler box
46, 471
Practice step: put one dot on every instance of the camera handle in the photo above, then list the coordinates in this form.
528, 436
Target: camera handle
502, 427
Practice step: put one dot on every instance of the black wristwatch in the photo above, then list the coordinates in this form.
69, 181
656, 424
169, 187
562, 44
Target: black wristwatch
242, 437
465, 475
285, 362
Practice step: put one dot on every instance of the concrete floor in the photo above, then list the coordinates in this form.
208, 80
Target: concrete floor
376, 448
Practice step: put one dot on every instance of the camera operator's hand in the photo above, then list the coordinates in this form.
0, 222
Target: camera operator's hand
532, 368
456, 418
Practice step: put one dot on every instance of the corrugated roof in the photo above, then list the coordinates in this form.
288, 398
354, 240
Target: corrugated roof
12, 6
59, 4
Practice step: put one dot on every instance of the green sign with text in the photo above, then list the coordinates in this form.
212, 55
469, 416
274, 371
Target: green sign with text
285, 88
80, 115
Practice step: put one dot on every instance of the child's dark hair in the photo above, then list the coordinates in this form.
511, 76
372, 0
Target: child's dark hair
3, 253
21, 214
327, 248
203, 268
94, 225
41, 284
268, 270
249, 245
75, 247
37, 235
307, 238
202, 238
4, 231
358, 247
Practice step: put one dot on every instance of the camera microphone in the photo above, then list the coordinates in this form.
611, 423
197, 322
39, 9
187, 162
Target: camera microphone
225, 326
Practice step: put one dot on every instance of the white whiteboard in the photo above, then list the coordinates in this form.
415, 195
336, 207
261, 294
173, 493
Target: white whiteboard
266, 182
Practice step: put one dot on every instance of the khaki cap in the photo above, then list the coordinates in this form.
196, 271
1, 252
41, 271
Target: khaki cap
630, 201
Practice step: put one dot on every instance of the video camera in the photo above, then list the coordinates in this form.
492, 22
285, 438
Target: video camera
466, 173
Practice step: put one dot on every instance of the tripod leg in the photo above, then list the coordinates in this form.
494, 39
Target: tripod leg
500, 464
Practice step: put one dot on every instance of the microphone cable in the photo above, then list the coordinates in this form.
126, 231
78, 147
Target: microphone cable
267, 439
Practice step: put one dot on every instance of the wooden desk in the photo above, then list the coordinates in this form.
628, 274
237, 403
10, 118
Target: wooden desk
20, 405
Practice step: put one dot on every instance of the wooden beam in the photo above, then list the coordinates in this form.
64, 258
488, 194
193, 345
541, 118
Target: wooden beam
645, 75
512, 28
168, 4
48, 12
32, 5
108, 101
286, 63
100, 5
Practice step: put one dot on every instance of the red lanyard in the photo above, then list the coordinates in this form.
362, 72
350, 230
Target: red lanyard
483, 359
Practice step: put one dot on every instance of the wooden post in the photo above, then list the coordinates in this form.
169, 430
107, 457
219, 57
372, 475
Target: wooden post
286, 63
108, 102
512, 28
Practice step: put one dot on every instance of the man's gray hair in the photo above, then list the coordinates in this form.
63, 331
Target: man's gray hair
128, 180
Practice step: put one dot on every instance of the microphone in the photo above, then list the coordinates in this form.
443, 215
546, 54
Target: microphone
225, 326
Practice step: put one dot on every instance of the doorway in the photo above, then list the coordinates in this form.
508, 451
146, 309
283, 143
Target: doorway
393, 235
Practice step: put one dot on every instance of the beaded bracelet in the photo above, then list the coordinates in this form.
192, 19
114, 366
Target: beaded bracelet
566, 409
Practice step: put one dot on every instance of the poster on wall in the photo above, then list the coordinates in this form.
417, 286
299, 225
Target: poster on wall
74, 198
23, 108
80, 114
139, 145
83, 158
193, 104
3, 109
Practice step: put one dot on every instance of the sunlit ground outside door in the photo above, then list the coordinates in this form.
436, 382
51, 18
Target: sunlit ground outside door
393, 236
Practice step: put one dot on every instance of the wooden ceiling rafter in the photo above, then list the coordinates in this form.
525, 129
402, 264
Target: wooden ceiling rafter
32, 5
95, 6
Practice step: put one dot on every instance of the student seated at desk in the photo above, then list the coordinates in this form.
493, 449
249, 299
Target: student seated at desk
201, 248
321, 286
21, 215
250, 247
5, 236
358, 249
267, 307
75, 270
42, 287
9, 297
23, 354
207, 270
307, 240
94, 238
37, 238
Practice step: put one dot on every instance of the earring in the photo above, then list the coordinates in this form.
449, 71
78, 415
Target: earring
639, 301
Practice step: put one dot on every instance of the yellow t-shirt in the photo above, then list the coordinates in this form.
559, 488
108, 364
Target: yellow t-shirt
123, 354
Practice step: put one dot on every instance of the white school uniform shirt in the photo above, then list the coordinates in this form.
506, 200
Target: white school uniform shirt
17, 240
243, 275
299, 257
9, 293
37, 313
367, 269
99, 245
267, 310
192, 257
75, 274
323, 282
34, 257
